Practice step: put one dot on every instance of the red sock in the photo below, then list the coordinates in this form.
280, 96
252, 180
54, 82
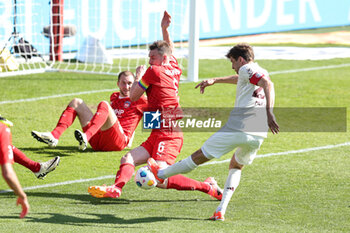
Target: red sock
97, 120
126, 170
180, 182
22, 159
67, 118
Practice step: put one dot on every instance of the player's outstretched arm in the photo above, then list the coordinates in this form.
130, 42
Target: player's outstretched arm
11, 179
269, 90
166, 21
228, 79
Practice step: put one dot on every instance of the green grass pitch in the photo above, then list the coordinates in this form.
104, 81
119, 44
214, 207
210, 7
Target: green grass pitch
300, 192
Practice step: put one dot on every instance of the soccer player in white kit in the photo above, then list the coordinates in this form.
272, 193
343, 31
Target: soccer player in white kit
245, 129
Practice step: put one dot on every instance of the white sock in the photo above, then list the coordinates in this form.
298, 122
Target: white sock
232, 182
181, 167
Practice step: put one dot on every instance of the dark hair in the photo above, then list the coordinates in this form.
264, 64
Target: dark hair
126, 73
162, 47
241, 50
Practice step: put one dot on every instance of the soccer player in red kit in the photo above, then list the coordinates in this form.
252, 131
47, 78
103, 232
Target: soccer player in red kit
10, 154
160, 82
40, 170
111, 128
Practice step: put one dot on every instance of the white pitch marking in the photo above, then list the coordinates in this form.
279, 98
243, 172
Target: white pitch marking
209, 163
287, 152
54, 96
107, 90
61, 183
308, 69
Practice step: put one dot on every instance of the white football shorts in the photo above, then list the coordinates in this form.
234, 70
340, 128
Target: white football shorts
221, 143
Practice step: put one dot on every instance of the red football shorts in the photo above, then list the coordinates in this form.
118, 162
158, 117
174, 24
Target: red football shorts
6, 154
112, 139
164, 147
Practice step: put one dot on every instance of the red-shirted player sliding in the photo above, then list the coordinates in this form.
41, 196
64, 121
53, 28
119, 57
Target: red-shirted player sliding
110, 129
160, 82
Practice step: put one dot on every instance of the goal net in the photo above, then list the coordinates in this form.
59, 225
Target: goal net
93, 36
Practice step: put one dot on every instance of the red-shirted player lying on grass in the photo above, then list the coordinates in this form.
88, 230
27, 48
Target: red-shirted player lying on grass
160, 82
111, 128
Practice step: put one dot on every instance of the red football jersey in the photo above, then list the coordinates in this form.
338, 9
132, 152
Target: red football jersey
161, 84
129, 113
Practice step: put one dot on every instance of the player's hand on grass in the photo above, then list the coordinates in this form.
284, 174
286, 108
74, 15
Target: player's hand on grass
23, 201
204, 84
272, 123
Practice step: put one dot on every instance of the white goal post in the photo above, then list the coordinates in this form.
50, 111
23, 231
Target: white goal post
92, 36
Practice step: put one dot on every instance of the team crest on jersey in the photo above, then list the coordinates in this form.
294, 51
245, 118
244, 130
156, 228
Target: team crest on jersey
127, 104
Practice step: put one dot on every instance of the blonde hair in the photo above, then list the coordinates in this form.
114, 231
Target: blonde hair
162, 47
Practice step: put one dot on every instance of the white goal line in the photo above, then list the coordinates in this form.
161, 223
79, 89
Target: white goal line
54, 96
107, 90
206, 164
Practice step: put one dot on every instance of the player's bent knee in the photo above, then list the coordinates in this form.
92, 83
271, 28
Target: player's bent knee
234, 164
198, 157
75, 102
104, 101
127, 158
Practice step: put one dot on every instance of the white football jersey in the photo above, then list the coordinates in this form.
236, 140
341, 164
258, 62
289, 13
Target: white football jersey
249, 113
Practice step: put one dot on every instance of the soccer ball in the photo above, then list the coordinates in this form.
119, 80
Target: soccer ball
145, 179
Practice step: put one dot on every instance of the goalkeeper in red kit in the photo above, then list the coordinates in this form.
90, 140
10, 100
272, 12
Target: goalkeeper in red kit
160, 82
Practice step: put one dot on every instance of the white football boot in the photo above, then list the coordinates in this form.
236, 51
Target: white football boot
81, 138
45, 137
47, 167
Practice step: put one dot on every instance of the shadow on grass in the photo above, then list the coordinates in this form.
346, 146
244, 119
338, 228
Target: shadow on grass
62, 151
92, 219
87, 199
56, 218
